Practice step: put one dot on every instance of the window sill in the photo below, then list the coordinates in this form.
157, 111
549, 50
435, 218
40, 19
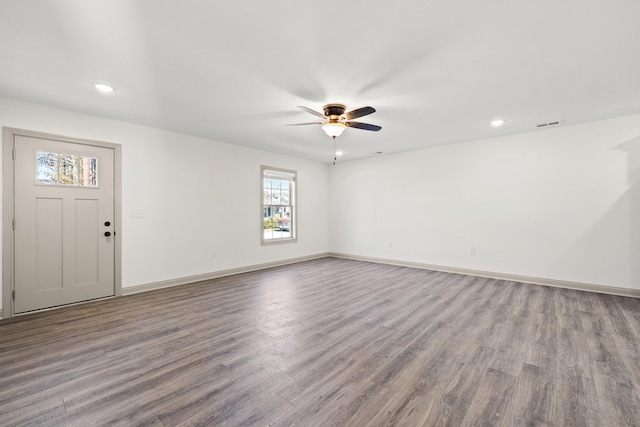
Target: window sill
278, 241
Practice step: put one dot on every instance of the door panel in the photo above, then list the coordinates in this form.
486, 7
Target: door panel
48, 244
87, 241
61, 253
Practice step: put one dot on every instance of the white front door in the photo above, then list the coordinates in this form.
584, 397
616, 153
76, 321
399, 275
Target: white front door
64, 249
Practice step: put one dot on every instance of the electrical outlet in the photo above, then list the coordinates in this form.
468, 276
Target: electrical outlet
214, 253
472, 251
390, 244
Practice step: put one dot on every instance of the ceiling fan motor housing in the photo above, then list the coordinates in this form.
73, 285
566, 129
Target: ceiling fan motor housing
331, 110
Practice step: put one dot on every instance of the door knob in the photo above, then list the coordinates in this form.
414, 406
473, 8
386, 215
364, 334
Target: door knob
107, 233
107, 223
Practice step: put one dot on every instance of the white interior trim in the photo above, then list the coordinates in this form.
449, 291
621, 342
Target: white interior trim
588, 287
130, 290
611, 290
493, 275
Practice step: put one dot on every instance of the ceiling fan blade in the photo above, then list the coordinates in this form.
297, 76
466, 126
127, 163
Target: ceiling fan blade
365, 126
310, 111
359, 112
304, 124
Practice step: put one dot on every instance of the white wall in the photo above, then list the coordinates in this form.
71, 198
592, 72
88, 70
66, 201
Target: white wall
198, 195
561, 203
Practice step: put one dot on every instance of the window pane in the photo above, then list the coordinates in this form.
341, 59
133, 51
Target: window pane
87, 171
277, 222
270, 221
47, 167
278, 190
67, 169
275, 197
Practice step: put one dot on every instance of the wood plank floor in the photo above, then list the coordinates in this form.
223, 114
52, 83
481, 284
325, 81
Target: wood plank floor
328, 342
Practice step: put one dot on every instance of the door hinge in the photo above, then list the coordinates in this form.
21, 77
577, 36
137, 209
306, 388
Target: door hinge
13, 153
13, 295
13, 224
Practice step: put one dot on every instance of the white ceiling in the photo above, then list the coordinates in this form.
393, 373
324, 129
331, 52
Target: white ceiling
437, 71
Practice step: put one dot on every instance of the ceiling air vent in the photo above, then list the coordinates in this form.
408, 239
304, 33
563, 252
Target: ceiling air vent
544, 125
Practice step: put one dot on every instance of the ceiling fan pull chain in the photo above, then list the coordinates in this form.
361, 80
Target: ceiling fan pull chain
335, 156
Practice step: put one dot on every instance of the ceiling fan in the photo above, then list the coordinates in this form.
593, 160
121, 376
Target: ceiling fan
336, 120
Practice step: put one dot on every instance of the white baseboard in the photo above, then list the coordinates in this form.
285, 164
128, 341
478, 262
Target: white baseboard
216, 274
480, 273
612, 290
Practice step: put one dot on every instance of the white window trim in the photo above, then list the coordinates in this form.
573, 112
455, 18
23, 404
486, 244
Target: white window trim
294, 202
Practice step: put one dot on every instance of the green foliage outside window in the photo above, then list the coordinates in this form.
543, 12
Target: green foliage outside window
270, 223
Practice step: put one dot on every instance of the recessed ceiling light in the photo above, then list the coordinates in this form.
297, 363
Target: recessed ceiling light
103, 88
497, 123
338, 153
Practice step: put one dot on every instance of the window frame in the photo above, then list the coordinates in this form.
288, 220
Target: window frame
293, 198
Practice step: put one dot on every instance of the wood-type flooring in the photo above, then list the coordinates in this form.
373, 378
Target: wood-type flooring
328, 342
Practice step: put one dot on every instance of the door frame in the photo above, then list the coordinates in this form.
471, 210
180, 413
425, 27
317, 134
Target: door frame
8, 196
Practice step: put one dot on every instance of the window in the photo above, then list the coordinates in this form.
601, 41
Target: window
278, 205
66, 169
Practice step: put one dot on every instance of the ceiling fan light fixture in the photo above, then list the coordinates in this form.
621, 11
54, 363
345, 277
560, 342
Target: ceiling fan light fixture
333, 129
